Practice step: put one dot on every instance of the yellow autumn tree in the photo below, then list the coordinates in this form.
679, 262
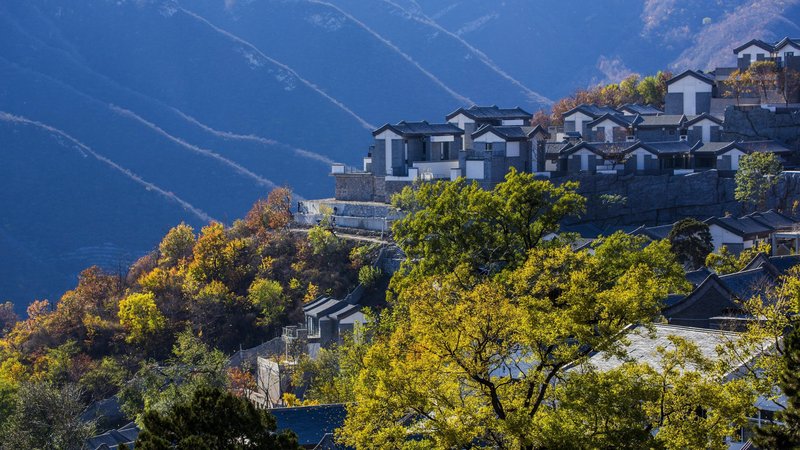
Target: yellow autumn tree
140, 315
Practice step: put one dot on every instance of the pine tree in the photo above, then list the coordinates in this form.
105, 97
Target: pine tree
213, 419
691, 242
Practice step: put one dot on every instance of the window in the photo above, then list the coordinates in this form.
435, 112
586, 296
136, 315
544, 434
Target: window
445, 151
488, 146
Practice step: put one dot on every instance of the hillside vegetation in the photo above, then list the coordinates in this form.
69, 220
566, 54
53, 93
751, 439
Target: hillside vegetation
189, 302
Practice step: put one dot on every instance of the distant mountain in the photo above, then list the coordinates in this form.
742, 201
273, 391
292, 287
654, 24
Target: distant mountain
192, 110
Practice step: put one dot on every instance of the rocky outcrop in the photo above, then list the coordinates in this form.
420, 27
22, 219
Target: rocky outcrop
753, 124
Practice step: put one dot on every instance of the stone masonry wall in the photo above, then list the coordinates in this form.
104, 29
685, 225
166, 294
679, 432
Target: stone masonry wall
355, 187
663, 199
758, 123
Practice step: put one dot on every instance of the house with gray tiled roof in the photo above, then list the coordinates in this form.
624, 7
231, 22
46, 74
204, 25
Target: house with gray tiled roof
612, 127
739, 233
659, 157
783, 52
482, 143
632, 109
405, 146
473, 118
496, 149
603, 124
703, 128
576, 119
114, 439
662, 127
725, 156
689, 93
645, 344
716, 300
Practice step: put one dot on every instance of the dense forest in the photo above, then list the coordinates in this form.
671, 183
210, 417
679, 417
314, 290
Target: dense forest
189, 303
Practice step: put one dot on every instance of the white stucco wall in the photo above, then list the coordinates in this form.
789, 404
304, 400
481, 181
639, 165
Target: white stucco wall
489, 137
705, 128
584, 156
689, 86
579, 118
788, 48
736, 155
448, 138
439, 169
459, 120
475, 170
608, 129
753, 51
513, 122
720, 236
640, 154
389, 136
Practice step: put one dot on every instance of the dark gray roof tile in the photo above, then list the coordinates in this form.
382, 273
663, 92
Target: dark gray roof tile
644, 110
663, 120
507, 132
484, 113
762, 146
593, 111
748, 283
418, 129
310, 423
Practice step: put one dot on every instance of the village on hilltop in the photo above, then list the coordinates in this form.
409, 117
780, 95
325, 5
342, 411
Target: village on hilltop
702, 127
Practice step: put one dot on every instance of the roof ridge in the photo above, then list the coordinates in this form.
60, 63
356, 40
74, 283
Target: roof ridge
697, 329
743, 271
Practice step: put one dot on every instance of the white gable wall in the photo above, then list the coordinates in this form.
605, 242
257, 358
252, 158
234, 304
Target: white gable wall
389, 136
788, 48
608, 128
459, 121
489, 137
579, 119
584, 156
736, 155
753, 51
640, 154
720, 236
689, 86
705, 128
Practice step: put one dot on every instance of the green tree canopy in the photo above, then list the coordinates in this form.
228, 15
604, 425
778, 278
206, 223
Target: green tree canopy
452, 224
177, 245
213, 419
267, 296
758, 172
139, 314
46, 417
477, 360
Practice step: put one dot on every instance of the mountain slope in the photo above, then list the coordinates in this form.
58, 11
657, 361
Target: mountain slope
218, 101
37, 158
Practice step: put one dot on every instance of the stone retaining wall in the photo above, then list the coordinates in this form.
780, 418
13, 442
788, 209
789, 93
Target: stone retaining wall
663, 199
